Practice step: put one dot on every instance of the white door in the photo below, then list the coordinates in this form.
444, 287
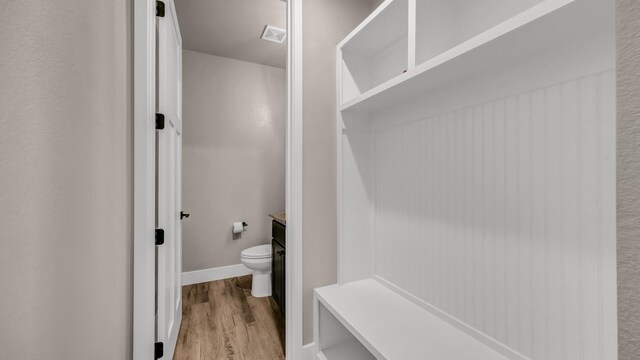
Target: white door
169, 196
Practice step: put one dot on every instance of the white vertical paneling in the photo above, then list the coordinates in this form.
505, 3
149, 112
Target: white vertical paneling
607, 261
499, 216
556, 249
502, 215
590, 211
539, 231
489, 203
458, 202
511, 221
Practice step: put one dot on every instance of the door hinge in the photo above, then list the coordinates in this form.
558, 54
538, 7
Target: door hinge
160, 8
158, 350
159, 121
159, 236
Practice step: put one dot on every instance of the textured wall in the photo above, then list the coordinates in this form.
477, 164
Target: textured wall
629, 179
326, 23
233, 156
65, 180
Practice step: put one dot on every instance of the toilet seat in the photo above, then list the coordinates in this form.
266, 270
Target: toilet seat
257, 252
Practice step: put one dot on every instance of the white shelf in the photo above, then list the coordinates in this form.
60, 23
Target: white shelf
443, 24
375, 51
545, 26
394, 328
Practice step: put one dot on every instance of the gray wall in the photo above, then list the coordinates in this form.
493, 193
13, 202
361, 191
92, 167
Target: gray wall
629, 178
325, 24
65, 180
375, 4
234, 126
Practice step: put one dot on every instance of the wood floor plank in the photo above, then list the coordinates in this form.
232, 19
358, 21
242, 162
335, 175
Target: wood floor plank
201, 293
222, 321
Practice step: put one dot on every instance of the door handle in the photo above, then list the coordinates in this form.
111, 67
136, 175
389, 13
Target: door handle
183, 215
280, 253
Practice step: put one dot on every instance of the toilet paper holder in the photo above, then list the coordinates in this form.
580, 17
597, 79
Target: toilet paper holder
239, 227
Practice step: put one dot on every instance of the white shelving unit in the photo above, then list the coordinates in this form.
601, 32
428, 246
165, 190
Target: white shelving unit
476, 183
547, 25
376, 51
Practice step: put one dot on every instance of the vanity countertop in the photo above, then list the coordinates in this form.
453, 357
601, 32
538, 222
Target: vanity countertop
279, 217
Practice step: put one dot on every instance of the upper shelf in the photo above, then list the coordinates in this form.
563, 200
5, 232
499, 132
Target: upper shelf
544, 26
375, 51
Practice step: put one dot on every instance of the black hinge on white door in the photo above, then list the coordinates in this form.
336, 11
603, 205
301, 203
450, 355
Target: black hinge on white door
159, 121
158, 350
159, 236
160, 8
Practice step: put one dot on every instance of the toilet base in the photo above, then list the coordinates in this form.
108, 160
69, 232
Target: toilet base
261, 284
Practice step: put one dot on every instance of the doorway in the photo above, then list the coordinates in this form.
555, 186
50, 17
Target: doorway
145, 315
234, 145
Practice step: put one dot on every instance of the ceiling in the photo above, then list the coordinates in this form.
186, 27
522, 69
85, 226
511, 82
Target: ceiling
232, 28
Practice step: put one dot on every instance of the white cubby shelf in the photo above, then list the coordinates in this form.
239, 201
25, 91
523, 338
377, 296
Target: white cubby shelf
546, 24
376, 51
475, 183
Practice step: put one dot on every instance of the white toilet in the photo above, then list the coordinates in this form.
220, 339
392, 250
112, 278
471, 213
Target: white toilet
258, 259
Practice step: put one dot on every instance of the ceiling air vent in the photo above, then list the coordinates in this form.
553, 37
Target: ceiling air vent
273, 34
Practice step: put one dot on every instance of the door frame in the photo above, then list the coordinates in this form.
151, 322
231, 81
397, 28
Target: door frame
144, 79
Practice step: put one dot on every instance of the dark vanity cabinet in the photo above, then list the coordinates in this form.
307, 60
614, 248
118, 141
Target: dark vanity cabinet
278, 245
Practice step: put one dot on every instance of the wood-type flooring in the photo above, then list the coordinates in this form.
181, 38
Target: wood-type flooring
222, 321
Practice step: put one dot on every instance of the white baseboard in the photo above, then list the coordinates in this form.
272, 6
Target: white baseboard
307, 352
213, 274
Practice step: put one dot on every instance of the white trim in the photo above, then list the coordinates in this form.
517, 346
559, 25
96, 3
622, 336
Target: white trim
307, 352
293, 296
339, 129
213, 274
144, 142
144, 23
411, 35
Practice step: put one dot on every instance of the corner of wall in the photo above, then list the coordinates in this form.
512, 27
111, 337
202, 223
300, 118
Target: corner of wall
628, 178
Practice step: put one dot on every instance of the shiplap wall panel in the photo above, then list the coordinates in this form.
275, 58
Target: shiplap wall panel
502, 215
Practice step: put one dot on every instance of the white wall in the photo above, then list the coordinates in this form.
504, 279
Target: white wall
65, 180
233, 156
